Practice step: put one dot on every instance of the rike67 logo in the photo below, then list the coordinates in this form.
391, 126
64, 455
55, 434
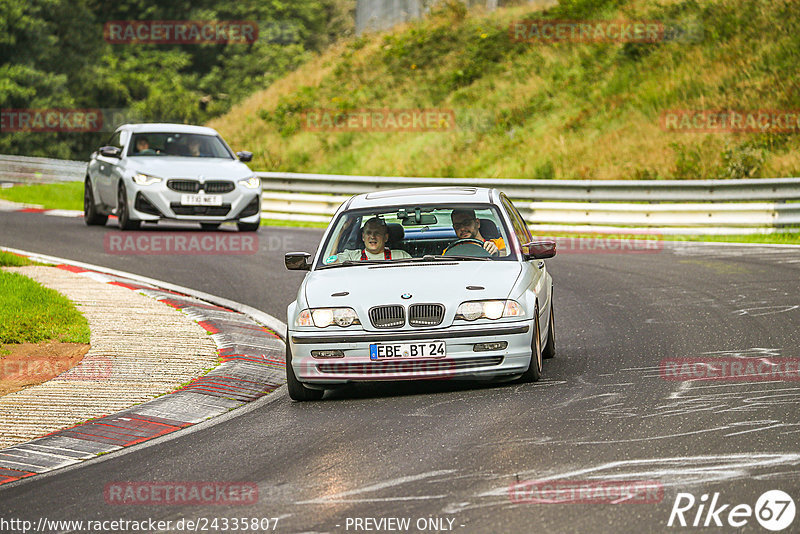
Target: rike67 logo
774, 510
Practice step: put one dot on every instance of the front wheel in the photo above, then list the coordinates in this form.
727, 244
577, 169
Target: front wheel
297, 391
534, 372
91, 216
123, 214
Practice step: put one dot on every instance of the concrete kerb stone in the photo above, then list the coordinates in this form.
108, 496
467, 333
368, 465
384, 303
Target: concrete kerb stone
248, 342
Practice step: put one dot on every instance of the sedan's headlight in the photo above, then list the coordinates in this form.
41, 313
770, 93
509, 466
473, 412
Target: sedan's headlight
324, 317
254, 182
145, 179
489, 309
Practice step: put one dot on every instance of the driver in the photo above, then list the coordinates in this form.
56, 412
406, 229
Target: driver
468, 226
143, 147
375, 234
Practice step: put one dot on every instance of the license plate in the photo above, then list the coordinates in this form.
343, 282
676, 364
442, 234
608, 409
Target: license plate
201, 200
383, 351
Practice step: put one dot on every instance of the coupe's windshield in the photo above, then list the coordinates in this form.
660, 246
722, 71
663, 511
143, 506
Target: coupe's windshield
178, 144
412, 233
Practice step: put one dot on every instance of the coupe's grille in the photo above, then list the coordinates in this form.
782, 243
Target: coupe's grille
193, 186
387, 316
425, 314
211, 211
184, 186
218, 187
409, 368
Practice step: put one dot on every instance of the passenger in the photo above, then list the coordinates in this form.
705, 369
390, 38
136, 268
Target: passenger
375, 234
194, 147
467, 226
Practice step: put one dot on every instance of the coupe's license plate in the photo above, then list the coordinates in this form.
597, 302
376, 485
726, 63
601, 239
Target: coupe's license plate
431, 349
201, 200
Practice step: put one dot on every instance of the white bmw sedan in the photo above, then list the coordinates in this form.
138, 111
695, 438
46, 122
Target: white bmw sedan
414, 284
148, 172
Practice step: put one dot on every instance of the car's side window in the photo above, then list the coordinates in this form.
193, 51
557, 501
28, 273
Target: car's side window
520, 228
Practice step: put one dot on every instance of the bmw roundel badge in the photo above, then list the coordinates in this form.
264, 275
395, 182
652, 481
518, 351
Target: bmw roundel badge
406, 296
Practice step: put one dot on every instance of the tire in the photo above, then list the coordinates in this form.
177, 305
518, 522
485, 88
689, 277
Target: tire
90, 214
534, 372
123, 215
549, 350
209, 226
297, 391
248, 227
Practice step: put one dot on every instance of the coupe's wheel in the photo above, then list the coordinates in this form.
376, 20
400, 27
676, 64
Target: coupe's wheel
248, 227
209, 226
90, 214
123, 215
534, 372
549, 350
297, 391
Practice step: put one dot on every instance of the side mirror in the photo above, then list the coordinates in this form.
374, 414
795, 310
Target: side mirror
110, 151
244, 156
297, 261
539, 250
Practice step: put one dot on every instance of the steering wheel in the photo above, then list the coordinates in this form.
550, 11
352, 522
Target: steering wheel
469, 243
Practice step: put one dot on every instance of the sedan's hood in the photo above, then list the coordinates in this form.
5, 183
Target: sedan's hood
178, 167
441, 281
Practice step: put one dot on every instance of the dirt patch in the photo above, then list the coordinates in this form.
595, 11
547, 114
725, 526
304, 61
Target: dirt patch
29, 364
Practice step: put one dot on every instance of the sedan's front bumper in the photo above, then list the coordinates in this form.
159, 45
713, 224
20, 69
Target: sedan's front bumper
153, 202
461, 360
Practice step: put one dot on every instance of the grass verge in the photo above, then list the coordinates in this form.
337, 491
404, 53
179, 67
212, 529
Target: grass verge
32, 313
68, 196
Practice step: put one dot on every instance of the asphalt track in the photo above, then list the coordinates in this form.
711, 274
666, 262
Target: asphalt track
451, 450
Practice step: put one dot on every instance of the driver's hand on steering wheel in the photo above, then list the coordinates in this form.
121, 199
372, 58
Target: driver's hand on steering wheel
491, 248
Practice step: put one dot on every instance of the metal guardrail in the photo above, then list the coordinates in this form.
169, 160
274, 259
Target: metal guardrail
616, 206
22, 169
610, 206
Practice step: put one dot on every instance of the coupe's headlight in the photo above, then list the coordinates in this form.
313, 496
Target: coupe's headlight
145, 179
489, 309
324, 317
254, 182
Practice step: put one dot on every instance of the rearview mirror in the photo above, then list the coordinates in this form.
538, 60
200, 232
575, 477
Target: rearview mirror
297, 261
244, 156
539, 250
110, 151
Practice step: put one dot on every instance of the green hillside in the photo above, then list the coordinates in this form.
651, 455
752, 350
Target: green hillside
542, 110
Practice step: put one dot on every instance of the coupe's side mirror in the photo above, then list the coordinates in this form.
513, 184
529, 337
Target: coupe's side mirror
244, 156
539, 250
297, 261
110, 151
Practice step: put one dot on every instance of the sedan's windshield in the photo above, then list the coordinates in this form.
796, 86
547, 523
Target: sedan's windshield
178, 144
417, 233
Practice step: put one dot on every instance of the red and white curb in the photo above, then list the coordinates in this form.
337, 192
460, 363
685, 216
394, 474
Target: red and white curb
249, 343
6, 205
